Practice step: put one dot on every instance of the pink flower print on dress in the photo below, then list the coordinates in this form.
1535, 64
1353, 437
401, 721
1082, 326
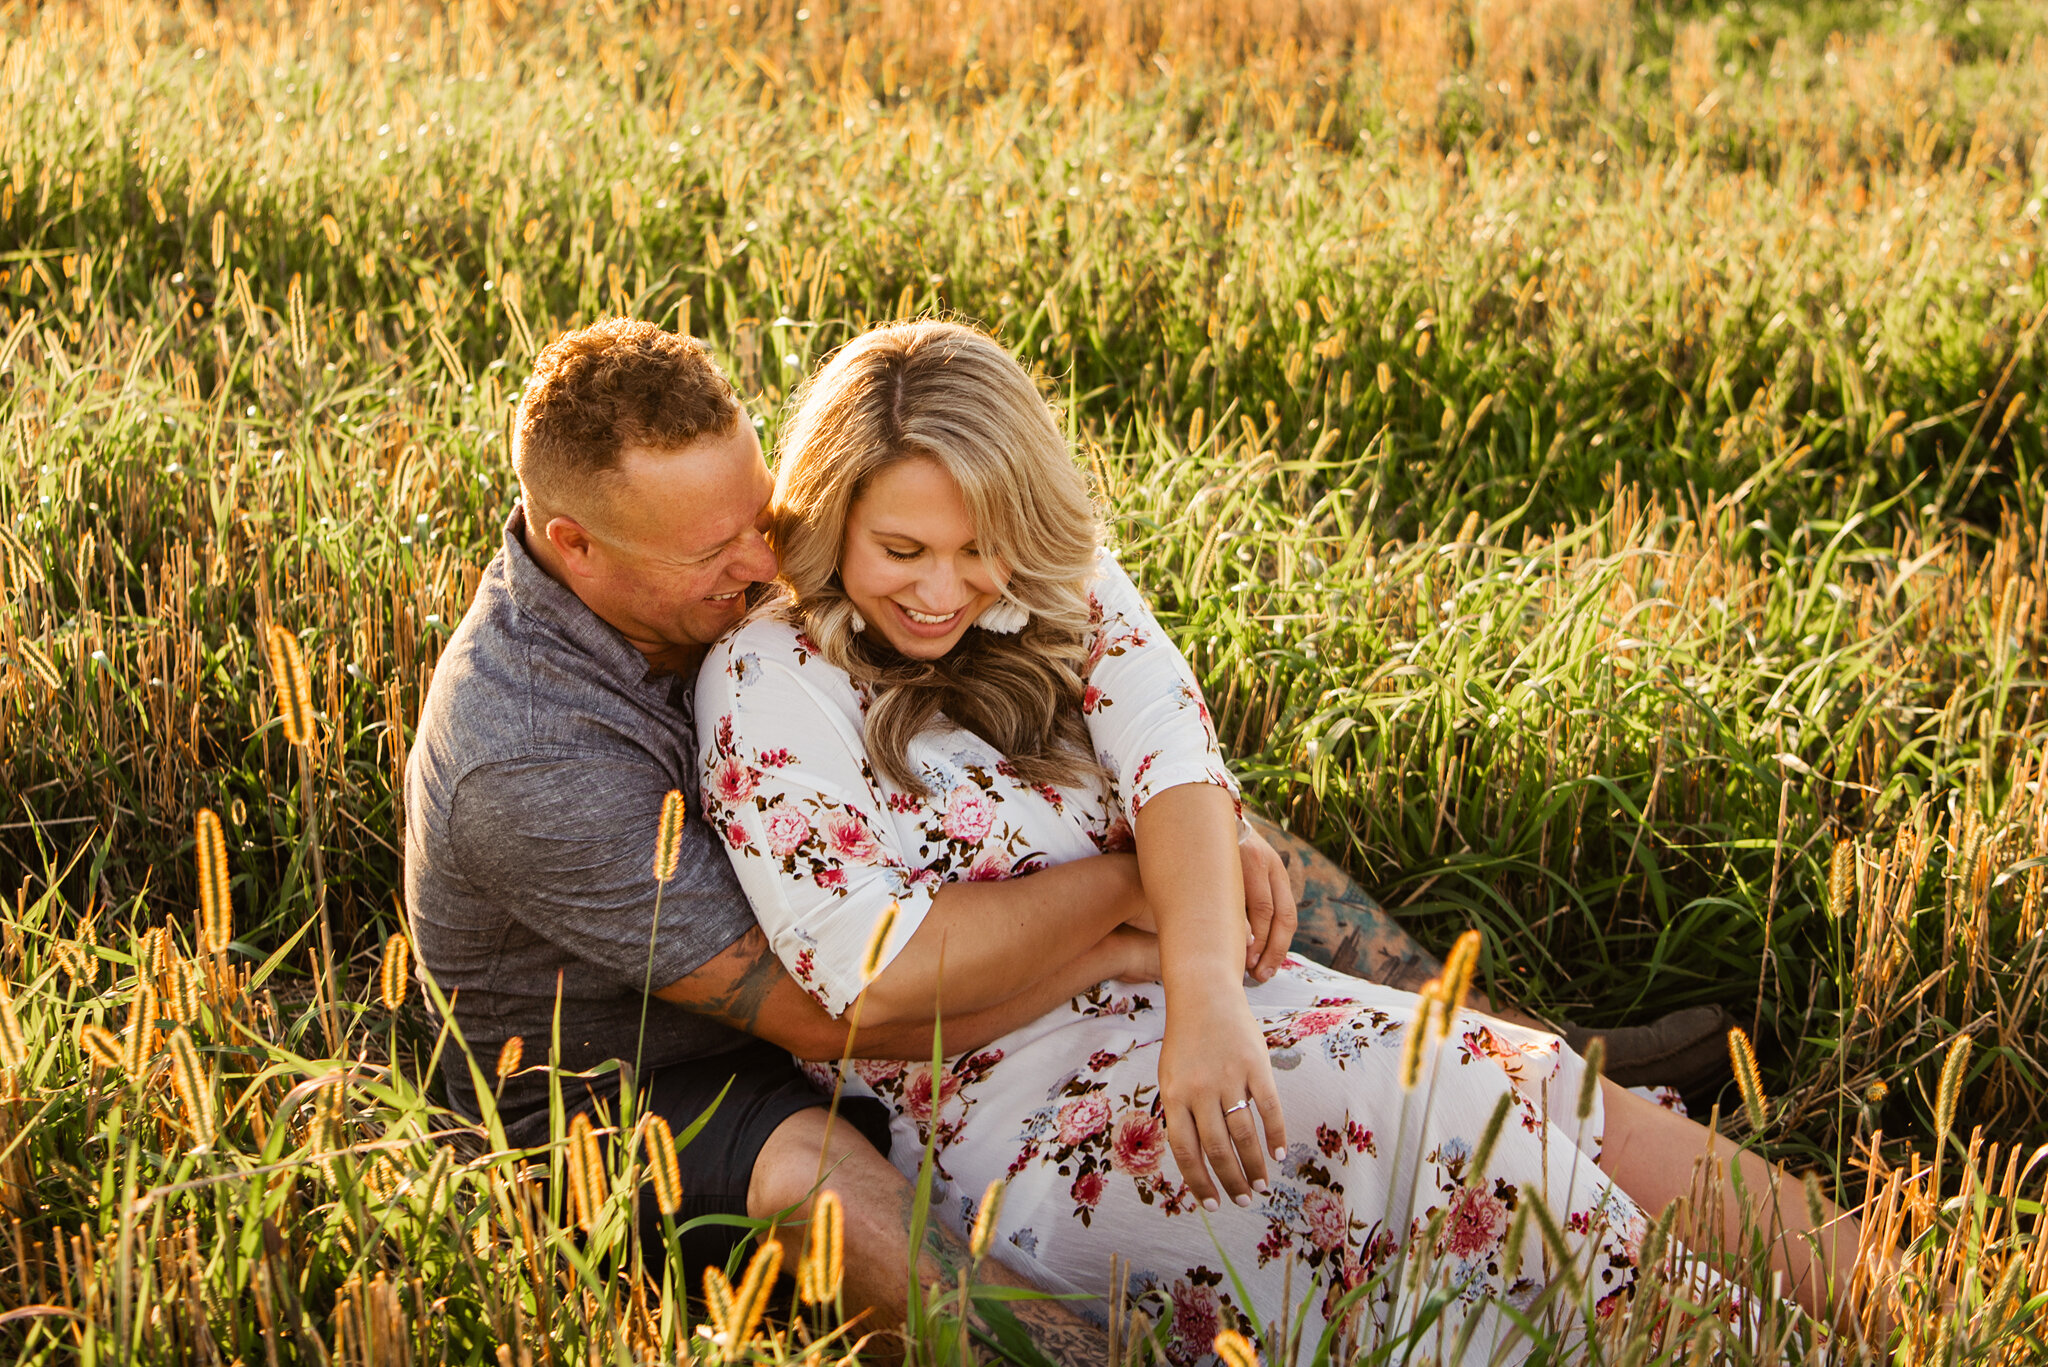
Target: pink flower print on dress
733, 781
829, 878
1083, 1118
849, 837
989, 867
1194, 1324
735, 835
788, 829
1087, 1189
969, 813
1138, 1143
1323, 1211
1317, 1021
1476, 1222
917, 1093
1091, 698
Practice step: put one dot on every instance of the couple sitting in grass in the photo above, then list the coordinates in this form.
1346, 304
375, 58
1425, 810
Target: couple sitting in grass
950, 770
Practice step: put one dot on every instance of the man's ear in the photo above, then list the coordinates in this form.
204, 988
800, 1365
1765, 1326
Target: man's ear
572, 544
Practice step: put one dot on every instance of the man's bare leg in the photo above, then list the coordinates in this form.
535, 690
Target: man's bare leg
878, 1205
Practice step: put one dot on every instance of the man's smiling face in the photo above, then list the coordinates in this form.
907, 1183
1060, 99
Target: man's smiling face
668, 559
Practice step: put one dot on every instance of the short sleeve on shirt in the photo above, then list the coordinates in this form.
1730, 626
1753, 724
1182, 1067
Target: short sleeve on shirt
565, 845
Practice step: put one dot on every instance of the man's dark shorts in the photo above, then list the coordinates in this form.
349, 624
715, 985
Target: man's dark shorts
718, 1164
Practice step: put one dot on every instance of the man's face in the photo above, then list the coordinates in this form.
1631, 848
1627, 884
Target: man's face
669, 554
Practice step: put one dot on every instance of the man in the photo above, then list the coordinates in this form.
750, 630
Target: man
559, 719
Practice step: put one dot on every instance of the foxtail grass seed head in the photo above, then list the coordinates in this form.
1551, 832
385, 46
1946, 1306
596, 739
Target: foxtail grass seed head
1236, 1350
1589, 1084
140, 1041
188, 991
1487, 1139
101, 1046
1385, 378
1954, 1069
216, 920
1841, 878
294, 688
433, 1186
13, 1044
588, 1184
1746, 1079
1459, 970
822, 1270
668, 842
660, 1143
194, 1087
878, 941
984, 1232
510, 1053
1816, 1207
718, 1302
1416, 1040
750, 1301
397, 972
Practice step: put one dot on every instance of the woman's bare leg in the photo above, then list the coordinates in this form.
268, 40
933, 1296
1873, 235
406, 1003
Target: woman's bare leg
1657, 1156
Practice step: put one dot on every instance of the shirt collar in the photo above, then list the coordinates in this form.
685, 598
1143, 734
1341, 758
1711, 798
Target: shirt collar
540, 596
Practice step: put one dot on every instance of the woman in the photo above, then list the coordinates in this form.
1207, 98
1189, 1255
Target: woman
961, 687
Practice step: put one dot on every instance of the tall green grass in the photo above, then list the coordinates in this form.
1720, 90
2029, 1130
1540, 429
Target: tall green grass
1588, 455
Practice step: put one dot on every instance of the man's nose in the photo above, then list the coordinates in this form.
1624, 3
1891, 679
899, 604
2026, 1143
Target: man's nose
757, 562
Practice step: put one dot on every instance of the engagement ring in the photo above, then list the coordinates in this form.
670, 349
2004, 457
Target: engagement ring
1233, 1110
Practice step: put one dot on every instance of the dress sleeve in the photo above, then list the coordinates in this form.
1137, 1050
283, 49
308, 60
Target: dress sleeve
788, 789
1145, 711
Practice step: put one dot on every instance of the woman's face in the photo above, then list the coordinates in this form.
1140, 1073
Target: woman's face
911, 563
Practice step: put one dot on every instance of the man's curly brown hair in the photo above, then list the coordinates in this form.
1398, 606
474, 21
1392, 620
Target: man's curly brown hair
600, 389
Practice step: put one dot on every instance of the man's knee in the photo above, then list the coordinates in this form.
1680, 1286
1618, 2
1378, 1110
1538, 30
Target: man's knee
788, 1169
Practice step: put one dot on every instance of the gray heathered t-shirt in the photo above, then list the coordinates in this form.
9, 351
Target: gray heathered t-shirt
533, 793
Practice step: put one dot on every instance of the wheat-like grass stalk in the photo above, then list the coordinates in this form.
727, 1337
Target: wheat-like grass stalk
216, 915
659, 1141
984, 1230
668, 841
294, 686
1954, 1068
750, 1300
1747, 1081
589, 1185
821, 1269
194, 1087
102, 1046
1235, 1349
510, 1054
878, 942
1595, 1059
13, 1044
395, 974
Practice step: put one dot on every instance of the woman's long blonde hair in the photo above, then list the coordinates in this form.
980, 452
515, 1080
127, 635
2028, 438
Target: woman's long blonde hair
950, 394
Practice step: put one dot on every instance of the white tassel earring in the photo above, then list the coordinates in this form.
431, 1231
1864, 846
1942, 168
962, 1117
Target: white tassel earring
860, 623
1004, 616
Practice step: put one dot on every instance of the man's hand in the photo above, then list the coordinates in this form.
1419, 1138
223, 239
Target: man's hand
1268, 905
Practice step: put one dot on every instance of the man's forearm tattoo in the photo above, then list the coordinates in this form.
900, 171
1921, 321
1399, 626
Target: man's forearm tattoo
738, 1000
1338, 923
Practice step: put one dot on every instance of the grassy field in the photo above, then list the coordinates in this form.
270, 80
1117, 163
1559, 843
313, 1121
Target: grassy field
1587, 451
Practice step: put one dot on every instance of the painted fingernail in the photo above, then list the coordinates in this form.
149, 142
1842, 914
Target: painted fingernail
1260, 1186
1209, 1203
1242, 1200
1279, 1153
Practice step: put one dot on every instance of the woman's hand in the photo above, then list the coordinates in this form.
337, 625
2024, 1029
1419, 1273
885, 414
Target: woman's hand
1213, 1059
1268, 906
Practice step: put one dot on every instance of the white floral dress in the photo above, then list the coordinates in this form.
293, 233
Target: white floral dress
1067, 1107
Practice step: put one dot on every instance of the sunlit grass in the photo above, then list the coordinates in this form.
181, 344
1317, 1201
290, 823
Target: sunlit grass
1588, 455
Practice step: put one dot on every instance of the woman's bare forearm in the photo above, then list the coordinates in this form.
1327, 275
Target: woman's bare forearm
1113, 956
982, 944
1188, 864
